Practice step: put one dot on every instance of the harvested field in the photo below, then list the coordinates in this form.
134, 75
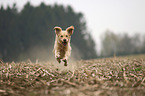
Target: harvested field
118, 76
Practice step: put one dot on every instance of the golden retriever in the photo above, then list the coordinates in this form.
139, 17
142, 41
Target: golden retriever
62, 48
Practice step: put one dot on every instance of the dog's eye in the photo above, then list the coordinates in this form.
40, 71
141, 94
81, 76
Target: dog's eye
61, 36
66, 35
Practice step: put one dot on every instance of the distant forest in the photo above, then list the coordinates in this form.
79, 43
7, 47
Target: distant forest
122, 44
29, 34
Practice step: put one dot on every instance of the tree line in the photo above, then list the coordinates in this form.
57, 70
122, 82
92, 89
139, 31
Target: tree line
122, 44
29, 34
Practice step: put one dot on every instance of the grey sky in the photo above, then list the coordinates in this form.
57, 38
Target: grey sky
116, 15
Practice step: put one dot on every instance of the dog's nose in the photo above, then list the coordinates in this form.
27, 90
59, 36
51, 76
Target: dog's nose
64, 40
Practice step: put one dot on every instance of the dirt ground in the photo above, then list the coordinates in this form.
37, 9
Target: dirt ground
117, 76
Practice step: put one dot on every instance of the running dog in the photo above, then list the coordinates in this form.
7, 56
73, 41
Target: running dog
62, 48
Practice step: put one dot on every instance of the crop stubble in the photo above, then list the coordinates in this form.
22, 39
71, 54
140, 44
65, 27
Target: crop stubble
118, 76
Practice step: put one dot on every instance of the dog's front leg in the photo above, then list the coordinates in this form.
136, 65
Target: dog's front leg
57, 56
66, 58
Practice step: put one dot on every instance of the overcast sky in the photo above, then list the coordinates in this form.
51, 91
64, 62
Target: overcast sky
101, 15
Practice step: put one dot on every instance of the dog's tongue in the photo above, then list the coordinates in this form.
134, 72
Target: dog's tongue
64, 43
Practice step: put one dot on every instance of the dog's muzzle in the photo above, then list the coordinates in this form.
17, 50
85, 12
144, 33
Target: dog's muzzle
64, 42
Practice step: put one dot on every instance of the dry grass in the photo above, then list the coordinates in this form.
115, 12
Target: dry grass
119, 76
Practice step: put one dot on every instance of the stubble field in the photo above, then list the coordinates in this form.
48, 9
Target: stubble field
117, 76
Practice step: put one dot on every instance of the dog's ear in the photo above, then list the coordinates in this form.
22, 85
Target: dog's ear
57, 30
70, 30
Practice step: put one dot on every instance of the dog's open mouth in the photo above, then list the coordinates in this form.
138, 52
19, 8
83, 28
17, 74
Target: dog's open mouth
64, 43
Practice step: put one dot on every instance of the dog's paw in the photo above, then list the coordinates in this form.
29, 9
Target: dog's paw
65, 62
58, 59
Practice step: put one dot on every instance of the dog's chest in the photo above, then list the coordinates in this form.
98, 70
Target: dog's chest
62, 53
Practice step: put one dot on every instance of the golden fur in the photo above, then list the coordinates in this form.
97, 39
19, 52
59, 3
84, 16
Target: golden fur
62, 48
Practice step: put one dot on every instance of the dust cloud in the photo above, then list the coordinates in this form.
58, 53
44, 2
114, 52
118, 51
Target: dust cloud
45, 57
72, 61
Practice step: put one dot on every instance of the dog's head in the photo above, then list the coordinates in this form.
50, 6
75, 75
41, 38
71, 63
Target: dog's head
64, 35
